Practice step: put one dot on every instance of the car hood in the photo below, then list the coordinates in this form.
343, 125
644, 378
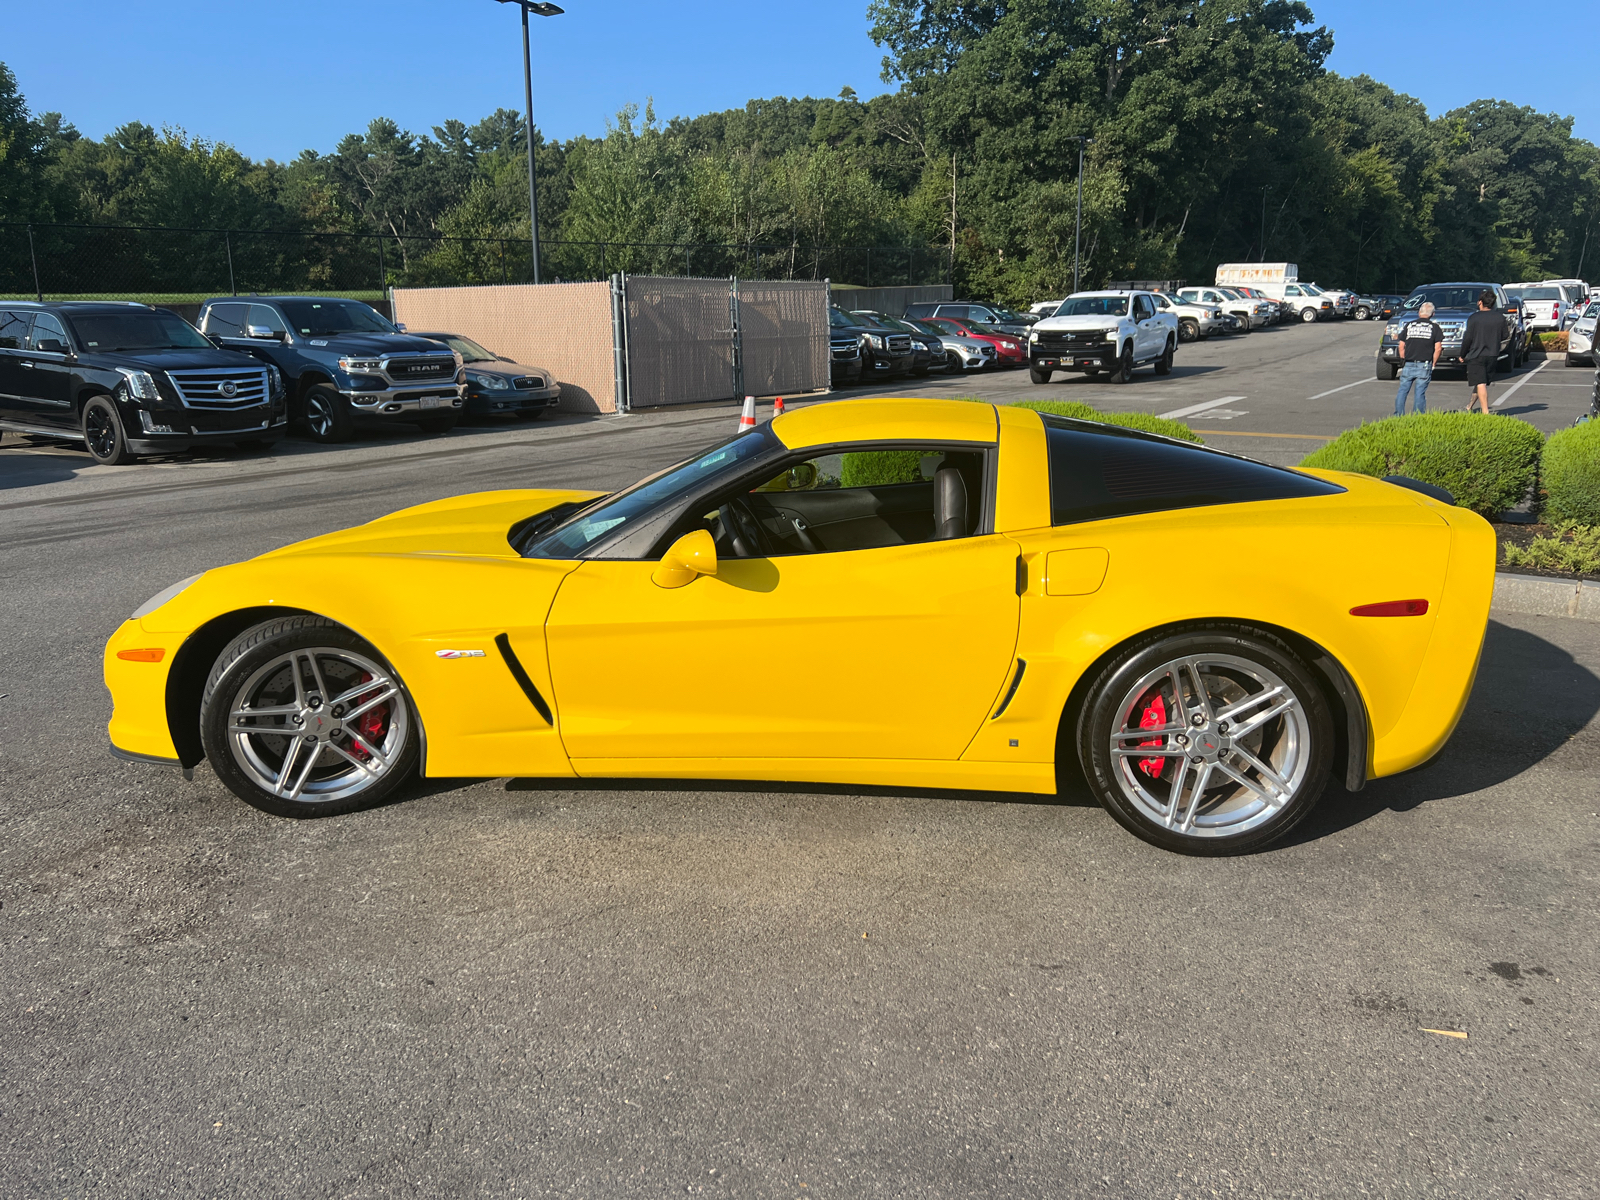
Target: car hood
372, 343
173, 360
474, 526
507, 370
1074, 324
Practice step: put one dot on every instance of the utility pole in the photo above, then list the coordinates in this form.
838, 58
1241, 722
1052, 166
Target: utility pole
952, 218
542, 10
1077, 225
1262, 257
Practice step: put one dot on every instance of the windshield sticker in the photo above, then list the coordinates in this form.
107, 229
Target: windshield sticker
316, 341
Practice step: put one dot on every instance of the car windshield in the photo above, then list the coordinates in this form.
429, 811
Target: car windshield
136, 331
943, 326
610, 515
1093, 306
1446, 297
313, 318
469, 350
919, 326
1540, 294
871, 320
838, 320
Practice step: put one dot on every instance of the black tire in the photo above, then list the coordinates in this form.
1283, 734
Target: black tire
1123, 371
1164, 363
1188, 330
1039, 374
1363, 313
1388, 370
254, 652
443, 423
1220, 819
328, 416
1308, 316
103, 433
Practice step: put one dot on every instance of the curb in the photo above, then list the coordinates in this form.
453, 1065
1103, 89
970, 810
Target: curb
1542, 597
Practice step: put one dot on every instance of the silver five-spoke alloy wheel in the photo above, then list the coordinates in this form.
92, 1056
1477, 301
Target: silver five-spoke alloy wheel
317, 725
1211, 746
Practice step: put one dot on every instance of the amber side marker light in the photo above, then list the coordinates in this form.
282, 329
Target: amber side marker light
1391, 608
155, 655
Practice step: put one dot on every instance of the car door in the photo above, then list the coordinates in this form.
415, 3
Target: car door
854, 634
45, 395
1150, 337
13, 345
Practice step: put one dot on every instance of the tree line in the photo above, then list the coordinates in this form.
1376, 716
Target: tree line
1211, 131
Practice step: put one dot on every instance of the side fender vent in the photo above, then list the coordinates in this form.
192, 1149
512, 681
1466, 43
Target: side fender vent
503, 644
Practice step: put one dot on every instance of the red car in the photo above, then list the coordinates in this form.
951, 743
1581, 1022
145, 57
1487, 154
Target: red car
1009, 351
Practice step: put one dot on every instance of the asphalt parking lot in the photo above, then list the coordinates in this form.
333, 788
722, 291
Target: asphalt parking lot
518, 988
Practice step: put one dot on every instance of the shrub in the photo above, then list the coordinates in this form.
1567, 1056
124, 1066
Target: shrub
878, 468
1551, 343
1487, 463
1574, 548
1571, 474
1144, 421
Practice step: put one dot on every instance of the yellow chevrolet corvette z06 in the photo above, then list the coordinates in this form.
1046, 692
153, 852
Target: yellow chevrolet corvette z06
975, 596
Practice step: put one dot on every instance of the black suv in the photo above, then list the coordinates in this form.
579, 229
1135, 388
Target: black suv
1452, 304
342, 362
129, 379
845, 338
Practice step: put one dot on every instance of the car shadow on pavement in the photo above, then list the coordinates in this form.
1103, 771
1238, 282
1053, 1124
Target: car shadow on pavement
1530, 698
44, 463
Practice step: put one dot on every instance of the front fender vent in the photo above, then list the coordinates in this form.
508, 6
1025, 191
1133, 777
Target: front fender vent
503, 644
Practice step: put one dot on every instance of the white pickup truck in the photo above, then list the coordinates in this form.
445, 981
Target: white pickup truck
1103, 331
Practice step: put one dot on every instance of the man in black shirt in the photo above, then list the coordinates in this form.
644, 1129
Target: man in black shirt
1421, 339
1480, 346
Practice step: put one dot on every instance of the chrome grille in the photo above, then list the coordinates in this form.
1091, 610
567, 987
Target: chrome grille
1074, 337
898, 343
846, 350
427, 368
528, 383
1453, 330
221, 387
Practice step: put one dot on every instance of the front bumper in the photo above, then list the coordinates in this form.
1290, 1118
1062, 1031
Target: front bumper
168, 431
1449, 355
1076, 360
406, 404
483, 403
892, 364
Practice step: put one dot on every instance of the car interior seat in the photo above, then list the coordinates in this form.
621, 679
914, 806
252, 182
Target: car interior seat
949, 503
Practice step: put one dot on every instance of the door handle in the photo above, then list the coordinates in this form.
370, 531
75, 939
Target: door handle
27, 364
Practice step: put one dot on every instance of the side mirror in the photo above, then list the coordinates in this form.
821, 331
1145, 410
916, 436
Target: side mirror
400, 325
263, 333
51, 346
692, 555
802, 477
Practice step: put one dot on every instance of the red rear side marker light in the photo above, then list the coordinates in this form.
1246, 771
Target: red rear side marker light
1391, 608
154, 655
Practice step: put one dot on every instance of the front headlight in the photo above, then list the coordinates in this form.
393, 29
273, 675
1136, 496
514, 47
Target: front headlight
360, 364
274, 379
141, 386
161, 597
1034, 336
1216, 314
877, 342
1392, 329
493, 383
1111, 335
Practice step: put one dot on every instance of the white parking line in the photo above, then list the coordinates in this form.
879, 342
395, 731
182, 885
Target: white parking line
1341, 388
1200, 408
1512, 390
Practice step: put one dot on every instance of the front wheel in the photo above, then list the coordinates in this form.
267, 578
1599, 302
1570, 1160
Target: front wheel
1212, 741
1040, 374
1188, 330
1164, 363
1363, 313
103, 433
328, 416
302, 718
1123, 372
1388, 370
1308, 316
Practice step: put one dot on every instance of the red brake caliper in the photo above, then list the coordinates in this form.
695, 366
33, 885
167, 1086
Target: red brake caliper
371, 725
1155, 716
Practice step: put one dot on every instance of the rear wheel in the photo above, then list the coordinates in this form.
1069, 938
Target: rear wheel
1164, 363
328, 416
1123, 372
1040, 374
103, 433
1210, 741
302, 718
1308, 315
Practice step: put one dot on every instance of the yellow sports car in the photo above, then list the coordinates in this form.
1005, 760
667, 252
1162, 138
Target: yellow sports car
976, 597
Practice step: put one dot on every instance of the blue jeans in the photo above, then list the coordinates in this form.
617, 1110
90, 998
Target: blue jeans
1418, 373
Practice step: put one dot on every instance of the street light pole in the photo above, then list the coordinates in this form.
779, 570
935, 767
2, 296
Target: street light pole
1077, 226
542, 10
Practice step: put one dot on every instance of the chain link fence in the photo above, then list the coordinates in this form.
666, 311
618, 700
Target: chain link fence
161, 265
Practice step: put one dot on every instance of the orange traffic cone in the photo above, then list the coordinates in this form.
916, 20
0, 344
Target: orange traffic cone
777, 407
747, 419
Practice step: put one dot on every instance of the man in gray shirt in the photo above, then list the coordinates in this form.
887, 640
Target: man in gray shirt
1480, 346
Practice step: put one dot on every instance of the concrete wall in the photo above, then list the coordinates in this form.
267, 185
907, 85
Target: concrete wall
562, 328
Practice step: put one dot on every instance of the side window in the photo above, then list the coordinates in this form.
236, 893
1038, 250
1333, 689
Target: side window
48, 336
1098, 471
1143, 310
225, 320
956, 312
261, 314
853, 500
13, 330
1291, 290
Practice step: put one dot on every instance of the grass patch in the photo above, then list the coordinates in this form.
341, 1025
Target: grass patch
1573, 549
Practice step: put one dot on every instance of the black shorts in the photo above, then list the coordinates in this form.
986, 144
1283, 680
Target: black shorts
1478, 371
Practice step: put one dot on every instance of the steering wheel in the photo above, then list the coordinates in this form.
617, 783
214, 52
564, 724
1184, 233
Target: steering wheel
749, 539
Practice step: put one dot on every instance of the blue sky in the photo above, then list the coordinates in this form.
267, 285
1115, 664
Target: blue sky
276, 76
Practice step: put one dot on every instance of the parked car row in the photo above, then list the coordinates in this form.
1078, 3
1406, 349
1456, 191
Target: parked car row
952, 337
1551, 305
129, 379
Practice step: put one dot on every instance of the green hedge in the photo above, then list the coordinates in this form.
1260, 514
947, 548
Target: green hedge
1487, 463
878, 468
1144, 421
1571, 474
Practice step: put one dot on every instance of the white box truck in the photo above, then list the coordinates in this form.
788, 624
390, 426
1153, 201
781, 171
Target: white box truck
1281, 281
